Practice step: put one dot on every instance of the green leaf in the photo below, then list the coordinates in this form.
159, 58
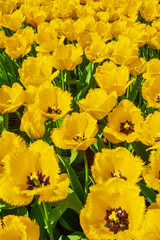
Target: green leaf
57, 212
19, 211
148, 192
4, 205
75, 184
94, 148
100, 144
62, 237
91, 68
82, 92
89, 72
73, 156
1, 118
136, 88
72, 201
70, 221
36, 214
65, 224
76, 236
140, 150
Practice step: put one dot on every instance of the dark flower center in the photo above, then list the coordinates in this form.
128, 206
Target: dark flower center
118, 174
126, 127
79, 137
36, 180
158, 98
53, 110
117, 220
157, 139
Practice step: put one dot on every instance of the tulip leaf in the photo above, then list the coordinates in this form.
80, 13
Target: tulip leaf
65, 224
62, 237
4, 205
140, 150
19, 211
81, 94
1, 118
72, 201
36, 214
148, 192
57, 212
70, 221
100, 144
75, 236
91, 68
73, 156
136, 88
75, 184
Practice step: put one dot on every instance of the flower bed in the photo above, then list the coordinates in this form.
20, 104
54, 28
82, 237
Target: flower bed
80, 119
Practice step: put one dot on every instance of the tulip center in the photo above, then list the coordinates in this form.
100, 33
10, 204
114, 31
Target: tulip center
36, 180
9, 101
53, 110
118, 174
79, 137
126, 127
117, 220
157, 139
158, 97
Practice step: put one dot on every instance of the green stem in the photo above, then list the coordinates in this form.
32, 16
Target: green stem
109, 145
1, 123
62, 80
5, 121
18, 115
86, 175
68, 77
47, 222
136, 88
105, 123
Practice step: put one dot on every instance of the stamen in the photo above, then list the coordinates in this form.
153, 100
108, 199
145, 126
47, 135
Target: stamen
79, 137
126, 127
157, 139
53, 110
117, 220
118, 174
36, 180
9, 101
158, 98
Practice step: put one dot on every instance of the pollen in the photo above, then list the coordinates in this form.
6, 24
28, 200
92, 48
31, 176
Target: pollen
37, 180
34, 176
117, 220
118, 174
126, 127
113, 217
53, 110
9, 101
80, 137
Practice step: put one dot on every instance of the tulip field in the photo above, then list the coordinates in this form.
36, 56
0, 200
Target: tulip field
79, 120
